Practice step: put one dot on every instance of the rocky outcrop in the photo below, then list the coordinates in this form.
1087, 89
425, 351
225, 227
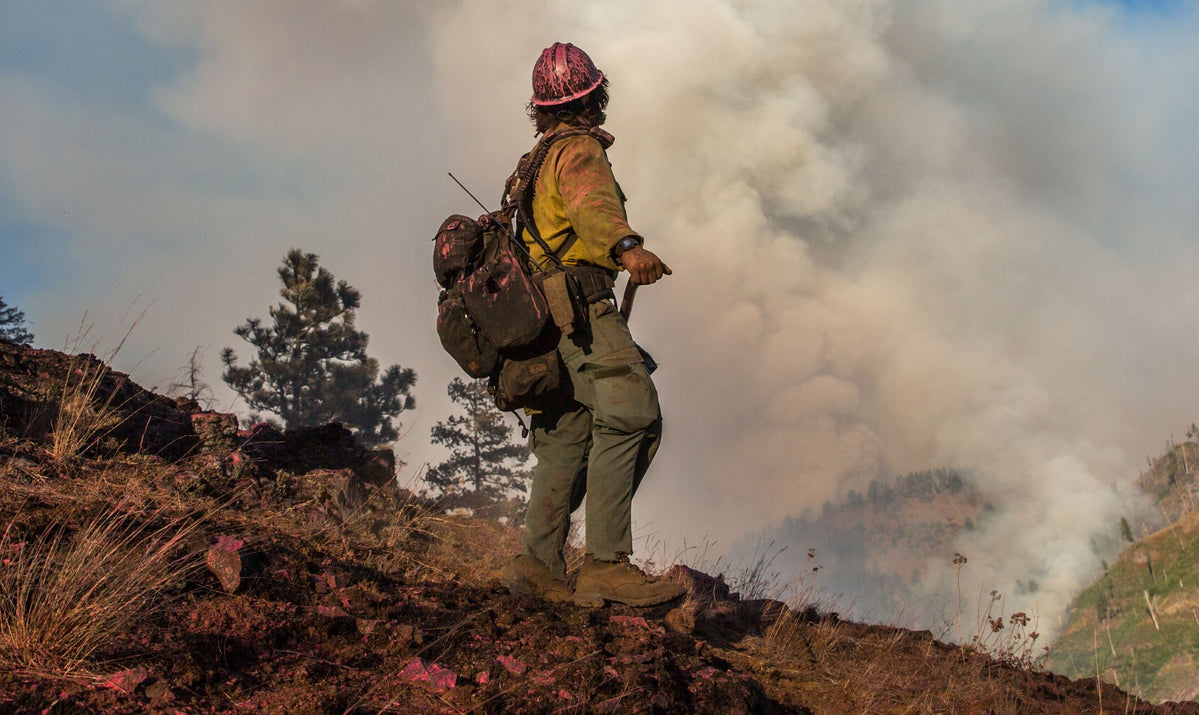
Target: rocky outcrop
41, 390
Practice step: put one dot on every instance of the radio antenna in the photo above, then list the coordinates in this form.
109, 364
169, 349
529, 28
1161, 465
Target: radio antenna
468, 193
521, 244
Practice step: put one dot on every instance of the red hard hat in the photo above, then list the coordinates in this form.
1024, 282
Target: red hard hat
563, 73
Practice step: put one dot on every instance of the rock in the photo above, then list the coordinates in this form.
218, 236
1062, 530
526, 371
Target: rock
439, 679
125, 681
700, 586
33, 381
341, 492
682, 618
512, 665
405, 633
328, 581
378, 466
637, 622
224, 562
159, 690
216, 430
20, 464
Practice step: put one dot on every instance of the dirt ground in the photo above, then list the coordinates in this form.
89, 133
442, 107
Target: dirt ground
302, 580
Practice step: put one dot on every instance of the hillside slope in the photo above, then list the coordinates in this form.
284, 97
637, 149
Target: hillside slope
155, 558
876, 547
1138, 624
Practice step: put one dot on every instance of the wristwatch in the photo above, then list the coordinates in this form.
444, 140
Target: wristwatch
625, 244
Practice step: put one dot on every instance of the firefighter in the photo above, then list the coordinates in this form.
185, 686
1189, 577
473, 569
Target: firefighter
600, 440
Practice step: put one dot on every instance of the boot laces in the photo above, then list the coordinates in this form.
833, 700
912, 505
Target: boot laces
629, 566
622, 562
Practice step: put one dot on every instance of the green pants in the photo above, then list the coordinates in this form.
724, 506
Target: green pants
599, 444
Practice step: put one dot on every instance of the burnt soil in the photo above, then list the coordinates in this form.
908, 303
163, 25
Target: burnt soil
308, 582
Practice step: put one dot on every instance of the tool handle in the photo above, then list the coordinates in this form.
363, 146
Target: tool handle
626, 302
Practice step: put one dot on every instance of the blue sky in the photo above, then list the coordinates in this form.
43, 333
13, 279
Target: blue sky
1152, 5
86, 49
85, 53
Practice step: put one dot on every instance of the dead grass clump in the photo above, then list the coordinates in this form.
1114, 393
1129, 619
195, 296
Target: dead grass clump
1011, 642
85, 411
811, 615
66, 594
396, 531
476, 550
760, 579
80, 417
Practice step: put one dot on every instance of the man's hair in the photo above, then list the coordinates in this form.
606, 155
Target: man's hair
586, 111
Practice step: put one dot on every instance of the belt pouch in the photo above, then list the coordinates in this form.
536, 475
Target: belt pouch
557, 289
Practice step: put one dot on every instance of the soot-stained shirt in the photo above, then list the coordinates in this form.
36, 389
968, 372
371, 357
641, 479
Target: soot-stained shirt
576, 192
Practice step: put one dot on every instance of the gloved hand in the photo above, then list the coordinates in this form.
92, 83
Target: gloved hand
643, 265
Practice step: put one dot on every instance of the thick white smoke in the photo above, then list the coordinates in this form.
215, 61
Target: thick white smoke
905, 233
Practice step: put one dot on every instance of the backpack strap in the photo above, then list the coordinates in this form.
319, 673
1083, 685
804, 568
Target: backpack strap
525, 178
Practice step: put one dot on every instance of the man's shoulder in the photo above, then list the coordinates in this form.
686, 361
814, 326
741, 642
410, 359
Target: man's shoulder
580, 144
579, 136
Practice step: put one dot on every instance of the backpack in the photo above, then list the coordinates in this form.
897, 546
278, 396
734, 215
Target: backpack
500, 315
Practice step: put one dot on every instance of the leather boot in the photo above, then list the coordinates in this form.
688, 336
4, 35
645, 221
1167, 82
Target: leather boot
527, 576
621, 582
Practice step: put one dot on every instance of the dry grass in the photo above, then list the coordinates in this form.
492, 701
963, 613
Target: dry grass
85, 409
751, 579
1012, 641
847, 667
475, 551
396, 531
64, 595
806, 601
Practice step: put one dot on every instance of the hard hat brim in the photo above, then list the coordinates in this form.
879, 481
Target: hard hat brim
570, 97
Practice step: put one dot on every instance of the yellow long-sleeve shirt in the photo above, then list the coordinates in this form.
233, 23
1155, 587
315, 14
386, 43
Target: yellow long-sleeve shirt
576, 193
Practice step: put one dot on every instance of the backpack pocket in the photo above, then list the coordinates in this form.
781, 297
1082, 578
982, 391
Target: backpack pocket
507, 306
534, 382
457, 248
462, 339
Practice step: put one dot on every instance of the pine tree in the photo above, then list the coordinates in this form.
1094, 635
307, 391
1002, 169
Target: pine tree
12, 324
1126, 531
311, 366
483, 458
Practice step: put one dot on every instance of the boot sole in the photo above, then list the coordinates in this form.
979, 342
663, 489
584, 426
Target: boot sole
594, 599
516, 589
519, 588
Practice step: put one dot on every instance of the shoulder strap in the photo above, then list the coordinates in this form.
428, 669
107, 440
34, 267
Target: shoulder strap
525, 179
